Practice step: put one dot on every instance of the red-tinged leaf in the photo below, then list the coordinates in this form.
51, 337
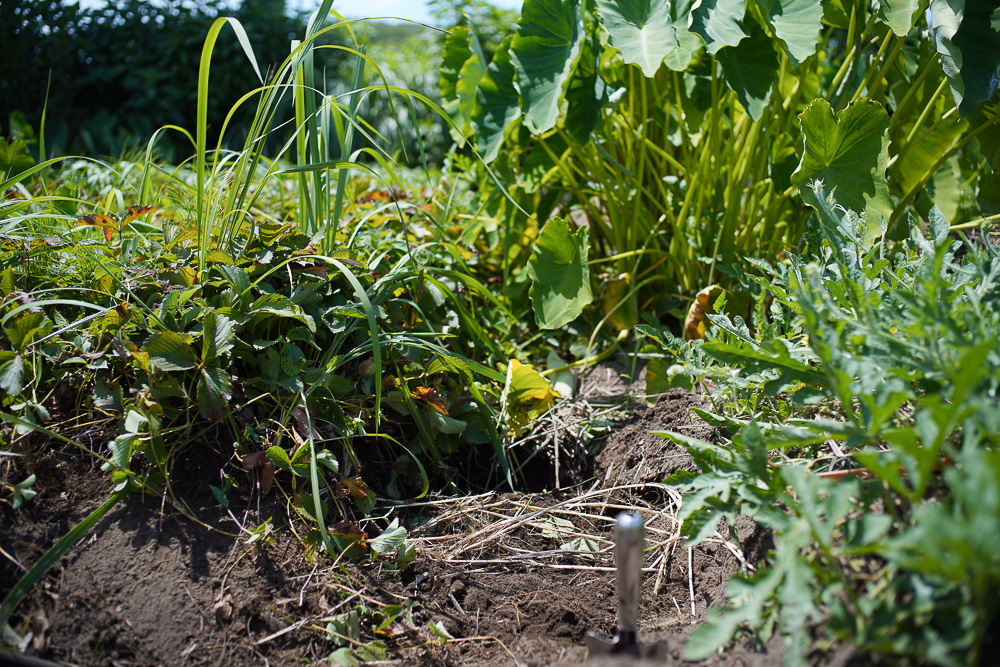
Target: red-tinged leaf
109, 233
351, 486
134, 212
348, 530
431, 396
123, 310
97, 220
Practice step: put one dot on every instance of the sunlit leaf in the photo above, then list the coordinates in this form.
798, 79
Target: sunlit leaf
170, 351
718, 22
497, 104
848, 153
797, 23
543, 52
560, 275
898, 14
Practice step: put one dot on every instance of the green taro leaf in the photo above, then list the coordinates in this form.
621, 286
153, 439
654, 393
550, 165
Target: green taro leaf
544, 51
751, 69
170, 351
469, 76
586, 93
642, 30
898, 14
497, 103
797, 23
718, 22
560, 274
456, 52
848, 153
214, 392
968, 40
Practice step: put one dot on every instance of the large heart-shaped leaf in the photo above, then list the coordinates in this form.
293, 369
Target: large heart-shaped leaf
544, 51
797, 23
848, 154
497, 103
718, 23
751, 69
641, 29
898, 14
967, 36
560, 274
456, 52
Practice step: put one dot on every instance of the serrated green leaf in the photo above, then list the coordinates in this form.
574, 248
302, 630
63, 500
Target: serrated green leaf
279, 457
543, 52
497, 105
214, 392
751, 69
849, 153
170, 351
718, 22
560, 275
217, 337
393, 536
27, 327
11, 373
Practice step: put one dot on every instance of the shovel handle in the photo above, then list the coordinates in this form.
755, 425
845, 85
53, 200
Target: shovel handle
629, 542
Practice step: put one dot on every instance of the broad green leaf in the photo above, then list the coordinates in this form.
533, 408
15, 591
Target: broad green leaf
279, 457
718, 22
456, 52
170, 351
11, 373
497, 103
848, 154
586, 93
214, 392
393, 536
469, 77
560, 275
526, 394
898, 14
217, 337
544, 51
26, 328
751, 69
642, 30
797, 23
969, 44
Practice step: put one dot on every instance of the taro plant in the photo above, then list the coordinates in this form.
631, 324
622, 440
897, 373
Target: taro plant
885, 519
678, 132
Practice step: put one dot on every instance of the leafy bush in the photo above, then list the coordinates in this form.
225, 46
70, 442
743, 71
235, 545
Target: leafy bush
886, 518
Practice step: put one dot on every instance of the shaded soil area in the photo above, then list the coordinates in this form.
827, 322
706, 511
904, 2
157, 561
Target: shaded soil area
499, 579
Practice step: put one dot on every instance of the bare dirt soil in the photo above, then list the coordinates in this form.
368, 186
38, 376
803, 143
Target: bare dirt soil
149, 586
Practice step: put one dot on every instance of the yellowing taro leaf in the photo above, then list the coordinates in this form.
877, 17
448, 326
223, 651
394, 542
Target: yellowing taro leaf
618, 303
526, 394
694, 323
560, 275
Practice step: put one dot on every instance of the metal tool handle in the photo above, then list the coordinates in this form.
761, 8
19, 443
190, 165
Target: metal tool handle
629, 542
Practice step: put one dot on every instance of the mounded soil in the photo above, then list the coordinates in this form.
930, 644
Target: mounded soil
149, 586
